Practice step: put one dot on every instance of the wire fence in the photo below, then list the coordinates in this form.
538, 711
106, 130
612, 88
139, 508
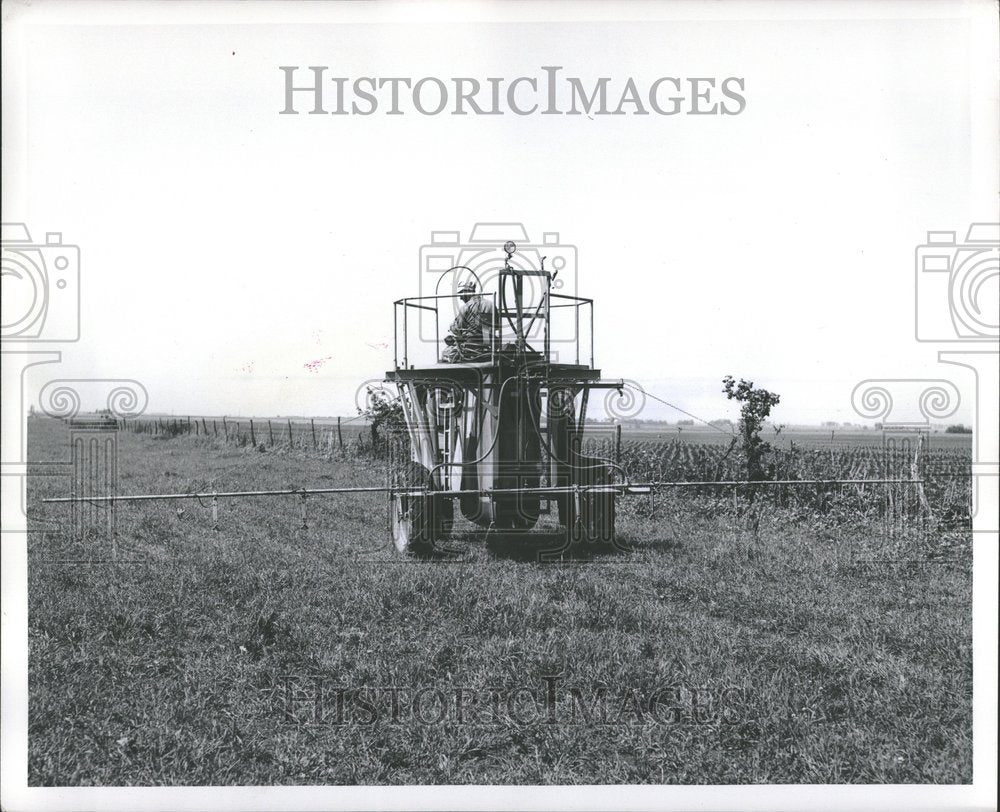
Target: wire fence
323, 436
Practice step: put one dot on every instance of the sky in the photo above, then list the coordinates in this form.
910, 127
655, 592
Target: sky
238, 261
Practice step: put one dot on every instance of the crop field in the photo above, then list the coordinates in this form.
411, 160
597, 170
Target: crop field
817, 635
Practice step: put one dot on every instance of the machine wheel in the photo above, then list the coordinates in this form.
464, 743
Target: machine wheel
418, 522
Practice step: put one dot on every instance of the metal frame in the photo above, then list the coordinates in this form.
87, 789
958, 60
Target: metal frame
576, 302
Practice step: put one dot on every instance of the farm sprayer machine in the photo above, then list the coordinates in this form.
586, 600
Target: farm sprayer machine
498, 431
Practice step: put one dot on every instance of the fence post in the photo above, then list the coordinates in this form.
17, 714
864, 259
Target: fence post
253, 437
225, 427
312, 427
215, 428
340, 437
736, 515
270, 433
289, 433
916, 472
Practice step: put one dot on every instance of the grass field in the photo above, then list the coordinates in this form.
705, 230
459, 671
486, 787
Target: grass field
263, 653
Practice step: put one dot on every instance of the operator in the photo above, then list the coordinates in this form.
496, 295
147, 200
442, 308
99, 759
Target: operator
471, 332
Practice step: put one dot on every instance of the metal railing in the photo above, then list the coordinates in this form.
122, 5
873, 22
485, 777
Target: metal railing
401, 327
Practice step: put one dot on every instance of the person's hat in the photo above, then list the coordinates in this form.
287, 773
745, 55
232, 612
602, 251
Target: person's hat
467, 287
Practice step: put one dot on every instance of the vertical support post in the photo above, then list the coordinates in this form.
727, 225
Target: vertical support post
253, 437
389, 483
736, 513
289, 433
591, 333
270, 433
618, 443
548, 294
225, 427
340, 436
519, 325
582, 421
576, 318
916, 472
312, 428
215, 428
